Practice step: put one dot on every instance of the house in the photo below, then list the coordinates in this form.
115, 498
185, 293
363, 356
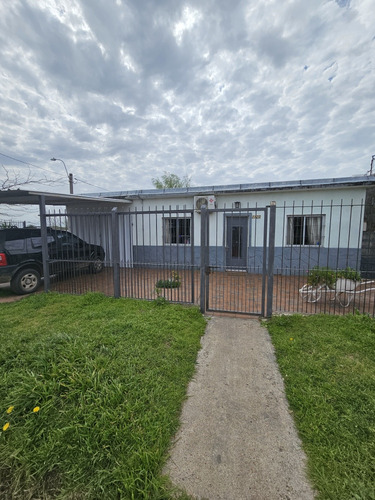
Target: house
320, 222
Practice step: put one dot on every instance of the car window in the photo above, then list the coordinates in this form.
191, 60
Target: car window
69, 238
15, 245
77, 241
37, 241
59, 237
63, 237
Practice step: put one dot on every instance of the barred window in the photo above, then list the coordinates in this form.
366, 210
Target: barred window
305, 230
176, 230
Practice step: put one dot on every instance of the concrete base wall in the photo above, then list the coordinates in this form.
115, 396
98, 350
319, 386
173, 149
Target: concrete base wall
288, 260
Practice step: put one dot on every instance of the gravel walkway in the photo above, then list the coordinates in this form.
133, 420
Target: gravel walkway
237, 438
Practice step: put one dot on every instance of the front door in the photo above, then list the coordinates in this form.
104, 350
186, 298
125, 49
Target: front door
236, 245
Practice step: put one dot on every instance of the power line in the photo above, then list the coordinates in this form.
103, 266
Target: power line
50, 171
28, 163
89, 184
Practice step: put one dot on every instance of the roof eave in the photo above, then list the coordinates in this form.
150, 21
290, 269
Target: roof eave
334, 183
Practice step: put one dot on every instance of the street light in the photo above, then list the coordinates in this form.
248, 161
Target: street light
70, 176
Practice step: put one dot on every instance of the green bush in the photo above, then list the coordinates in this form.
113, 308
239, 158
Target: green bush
321, 276
326, 276
173, 282
349, 274
167, 284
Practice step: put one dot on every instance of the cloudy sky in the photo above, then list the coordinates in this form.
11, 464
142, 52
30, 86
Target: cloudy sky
224, 91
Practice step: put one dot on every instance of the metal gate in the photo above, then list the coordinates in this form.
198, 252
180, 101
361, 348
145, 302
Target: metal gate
237, 254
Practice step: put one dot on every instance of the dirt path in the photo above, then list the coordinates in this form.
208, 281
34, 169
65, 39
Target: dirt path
9, 295
237, 440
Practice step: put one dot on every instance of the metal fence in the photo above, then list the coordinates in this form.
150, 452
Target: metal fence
324, 258
249, 260
143, 258
5, 223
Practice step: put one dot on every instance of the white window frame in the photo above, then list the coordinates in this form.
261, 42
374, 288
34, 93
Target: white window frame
318, 240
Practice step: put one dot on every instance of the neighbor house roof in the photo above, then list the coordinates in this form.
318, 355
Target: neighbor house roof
355, 181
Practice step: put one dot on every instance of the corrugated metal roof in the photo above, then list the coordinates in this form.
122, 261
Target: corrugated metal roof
356, 181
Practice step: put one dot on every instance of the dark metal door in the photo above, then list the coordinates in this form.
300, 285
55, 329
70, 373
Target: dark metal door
237, 271
236, 246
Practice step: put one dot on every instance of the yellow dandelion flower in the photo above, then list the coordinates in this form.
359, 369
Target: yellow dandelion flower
291, 338
36, 409
10, 409
6, 426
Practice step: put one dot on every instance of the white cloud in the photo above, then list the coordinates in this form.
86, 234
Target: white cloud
190, 17
223, 91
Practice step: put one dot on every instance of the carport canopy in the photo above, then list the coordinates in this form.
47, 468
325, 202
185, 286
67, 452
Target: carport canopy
25, 197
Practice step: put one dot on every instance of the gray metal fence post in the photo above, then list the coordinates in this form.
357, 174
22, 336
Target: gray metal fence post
203, 258
265, 255
43, 234
192, 257
271, 258
115, 253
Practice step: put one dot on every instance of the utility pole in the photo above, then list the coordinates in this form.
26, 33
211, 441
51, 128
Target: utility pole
69, 175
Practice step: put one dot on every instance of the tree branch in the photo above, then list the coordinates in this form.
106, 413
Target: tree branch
13, 179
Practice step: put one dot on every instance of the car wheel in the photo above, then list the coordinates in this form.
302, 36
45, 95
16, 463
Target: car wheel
25, 281
96, 266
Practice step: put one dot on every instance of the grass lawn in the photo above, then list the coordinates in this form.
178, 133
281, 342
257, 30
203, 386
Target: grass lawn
328, 365
91, 389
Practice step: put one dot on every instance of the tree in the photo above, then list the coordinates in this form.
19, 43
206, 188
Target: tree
168, 181
12, 179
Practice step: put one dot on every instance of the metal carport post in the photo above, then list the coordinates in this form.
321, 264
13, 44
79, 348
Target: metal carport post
43, 233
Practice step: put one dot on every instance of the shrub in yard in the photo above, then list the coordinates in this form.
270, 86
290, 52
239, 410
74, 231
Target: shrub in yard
167, 284
173, 282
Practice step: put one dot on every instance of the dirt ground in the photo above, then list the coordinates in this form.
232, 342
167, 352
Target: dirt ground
12, 297
237, 439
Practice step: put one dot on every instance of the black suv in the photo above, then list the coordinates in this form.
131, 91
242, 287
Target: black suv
21, 256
